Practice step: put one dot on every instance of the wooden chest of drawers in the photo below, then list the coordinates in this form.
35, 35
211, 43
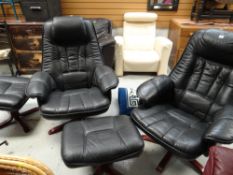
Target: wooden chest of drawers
26, 43
181, 30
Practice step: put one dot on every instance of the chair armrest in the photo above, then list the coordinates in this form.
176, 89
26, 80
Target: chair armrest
163, 46
4, 53
119, 55
157, 89
105, 40
105, 78
40, 86
221, 130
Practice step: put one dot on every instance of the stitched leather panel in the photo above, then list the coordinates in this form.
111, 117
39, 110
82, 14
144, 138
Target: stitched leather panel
100, 141
219, 162
12, 92
174, 128
78, 101
202, 85
71, 66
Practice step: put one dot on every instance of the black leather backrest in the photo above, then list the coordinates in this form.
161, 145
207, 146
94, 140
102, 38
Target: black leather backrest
203, 77
70, 51
69, 31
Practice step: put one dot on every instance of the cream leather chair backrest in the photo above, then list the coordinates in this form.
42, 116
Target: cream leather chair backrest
139, 31
139, 49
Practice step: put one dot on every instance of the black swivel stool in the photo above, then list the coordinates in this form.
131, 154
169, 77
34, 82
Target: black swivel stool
100, 142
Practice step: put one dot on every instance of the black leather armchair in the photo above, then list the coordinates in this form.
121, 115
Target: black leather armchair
73, 82
191, 109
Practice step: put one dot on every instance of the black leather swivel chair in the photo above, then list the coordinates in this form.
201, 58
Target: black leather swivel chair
192, 108
73, 83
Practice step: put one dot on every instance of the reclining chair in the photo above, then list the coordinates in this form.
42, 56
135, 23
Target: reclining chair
73, 82
192, 108
139, 50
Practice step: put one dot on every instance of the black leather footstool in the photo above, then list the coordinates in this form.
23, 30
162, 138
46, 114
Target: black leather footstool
12, 98
100, 141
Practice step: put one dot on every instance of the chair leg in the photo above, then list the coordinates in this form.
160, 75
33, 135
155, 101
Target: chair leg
6, 122
147, 138
11, 66
100, 170
109, 170
16, 116
30, 111
57, 128
162, 164
4, 143
198, 167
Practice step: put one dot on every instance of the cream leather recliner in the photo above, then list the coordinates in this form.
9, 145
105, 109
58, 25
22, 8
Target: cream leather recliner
139, 50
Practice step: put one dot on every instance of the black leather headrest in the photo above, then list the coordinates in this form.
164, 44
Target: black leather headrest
69, 30
215, 45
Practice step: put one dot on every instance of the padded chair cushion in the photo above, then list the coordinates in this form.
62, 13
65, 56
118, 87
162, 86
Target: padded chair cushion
12, 93
100, 141
173, 128
219, 162
76, 101
141, 61
140, 17
68, 31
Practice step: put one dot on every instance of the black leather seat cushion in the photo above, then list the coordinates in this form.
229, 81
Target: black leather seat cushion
76, 101
173, 128
12, 92
100, 141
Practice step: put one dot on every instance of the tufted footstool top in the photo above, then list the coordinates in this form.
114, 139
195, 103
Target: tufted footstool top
100, 141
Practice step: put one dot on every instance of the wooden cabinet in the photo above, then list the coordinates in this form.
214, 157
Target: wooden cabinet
26, 43
181, 30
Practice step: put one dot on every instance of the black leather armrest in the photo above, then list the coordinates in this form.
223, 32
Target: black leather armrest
105, 40
221, 130
105, 78
40, 86
154, 90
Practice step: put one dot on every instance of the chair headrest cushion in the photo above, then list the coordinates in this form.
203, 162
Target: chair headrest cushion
140, 17
69, 30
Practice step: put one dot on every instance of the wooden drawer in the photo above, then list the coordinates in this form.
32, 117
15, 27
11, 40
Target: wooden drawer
29, 61
32, 43
25, 31
26, 43
180, 52
187, 32
183, 42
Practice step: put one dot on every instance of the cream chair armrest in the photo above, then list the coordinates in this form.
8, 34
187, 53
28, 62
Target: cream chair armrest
119, 55
4, 53
119, 40
163, 46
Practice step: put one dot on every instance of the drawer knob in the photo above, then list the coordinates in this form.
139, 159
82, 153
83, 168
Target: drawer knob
35, 8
